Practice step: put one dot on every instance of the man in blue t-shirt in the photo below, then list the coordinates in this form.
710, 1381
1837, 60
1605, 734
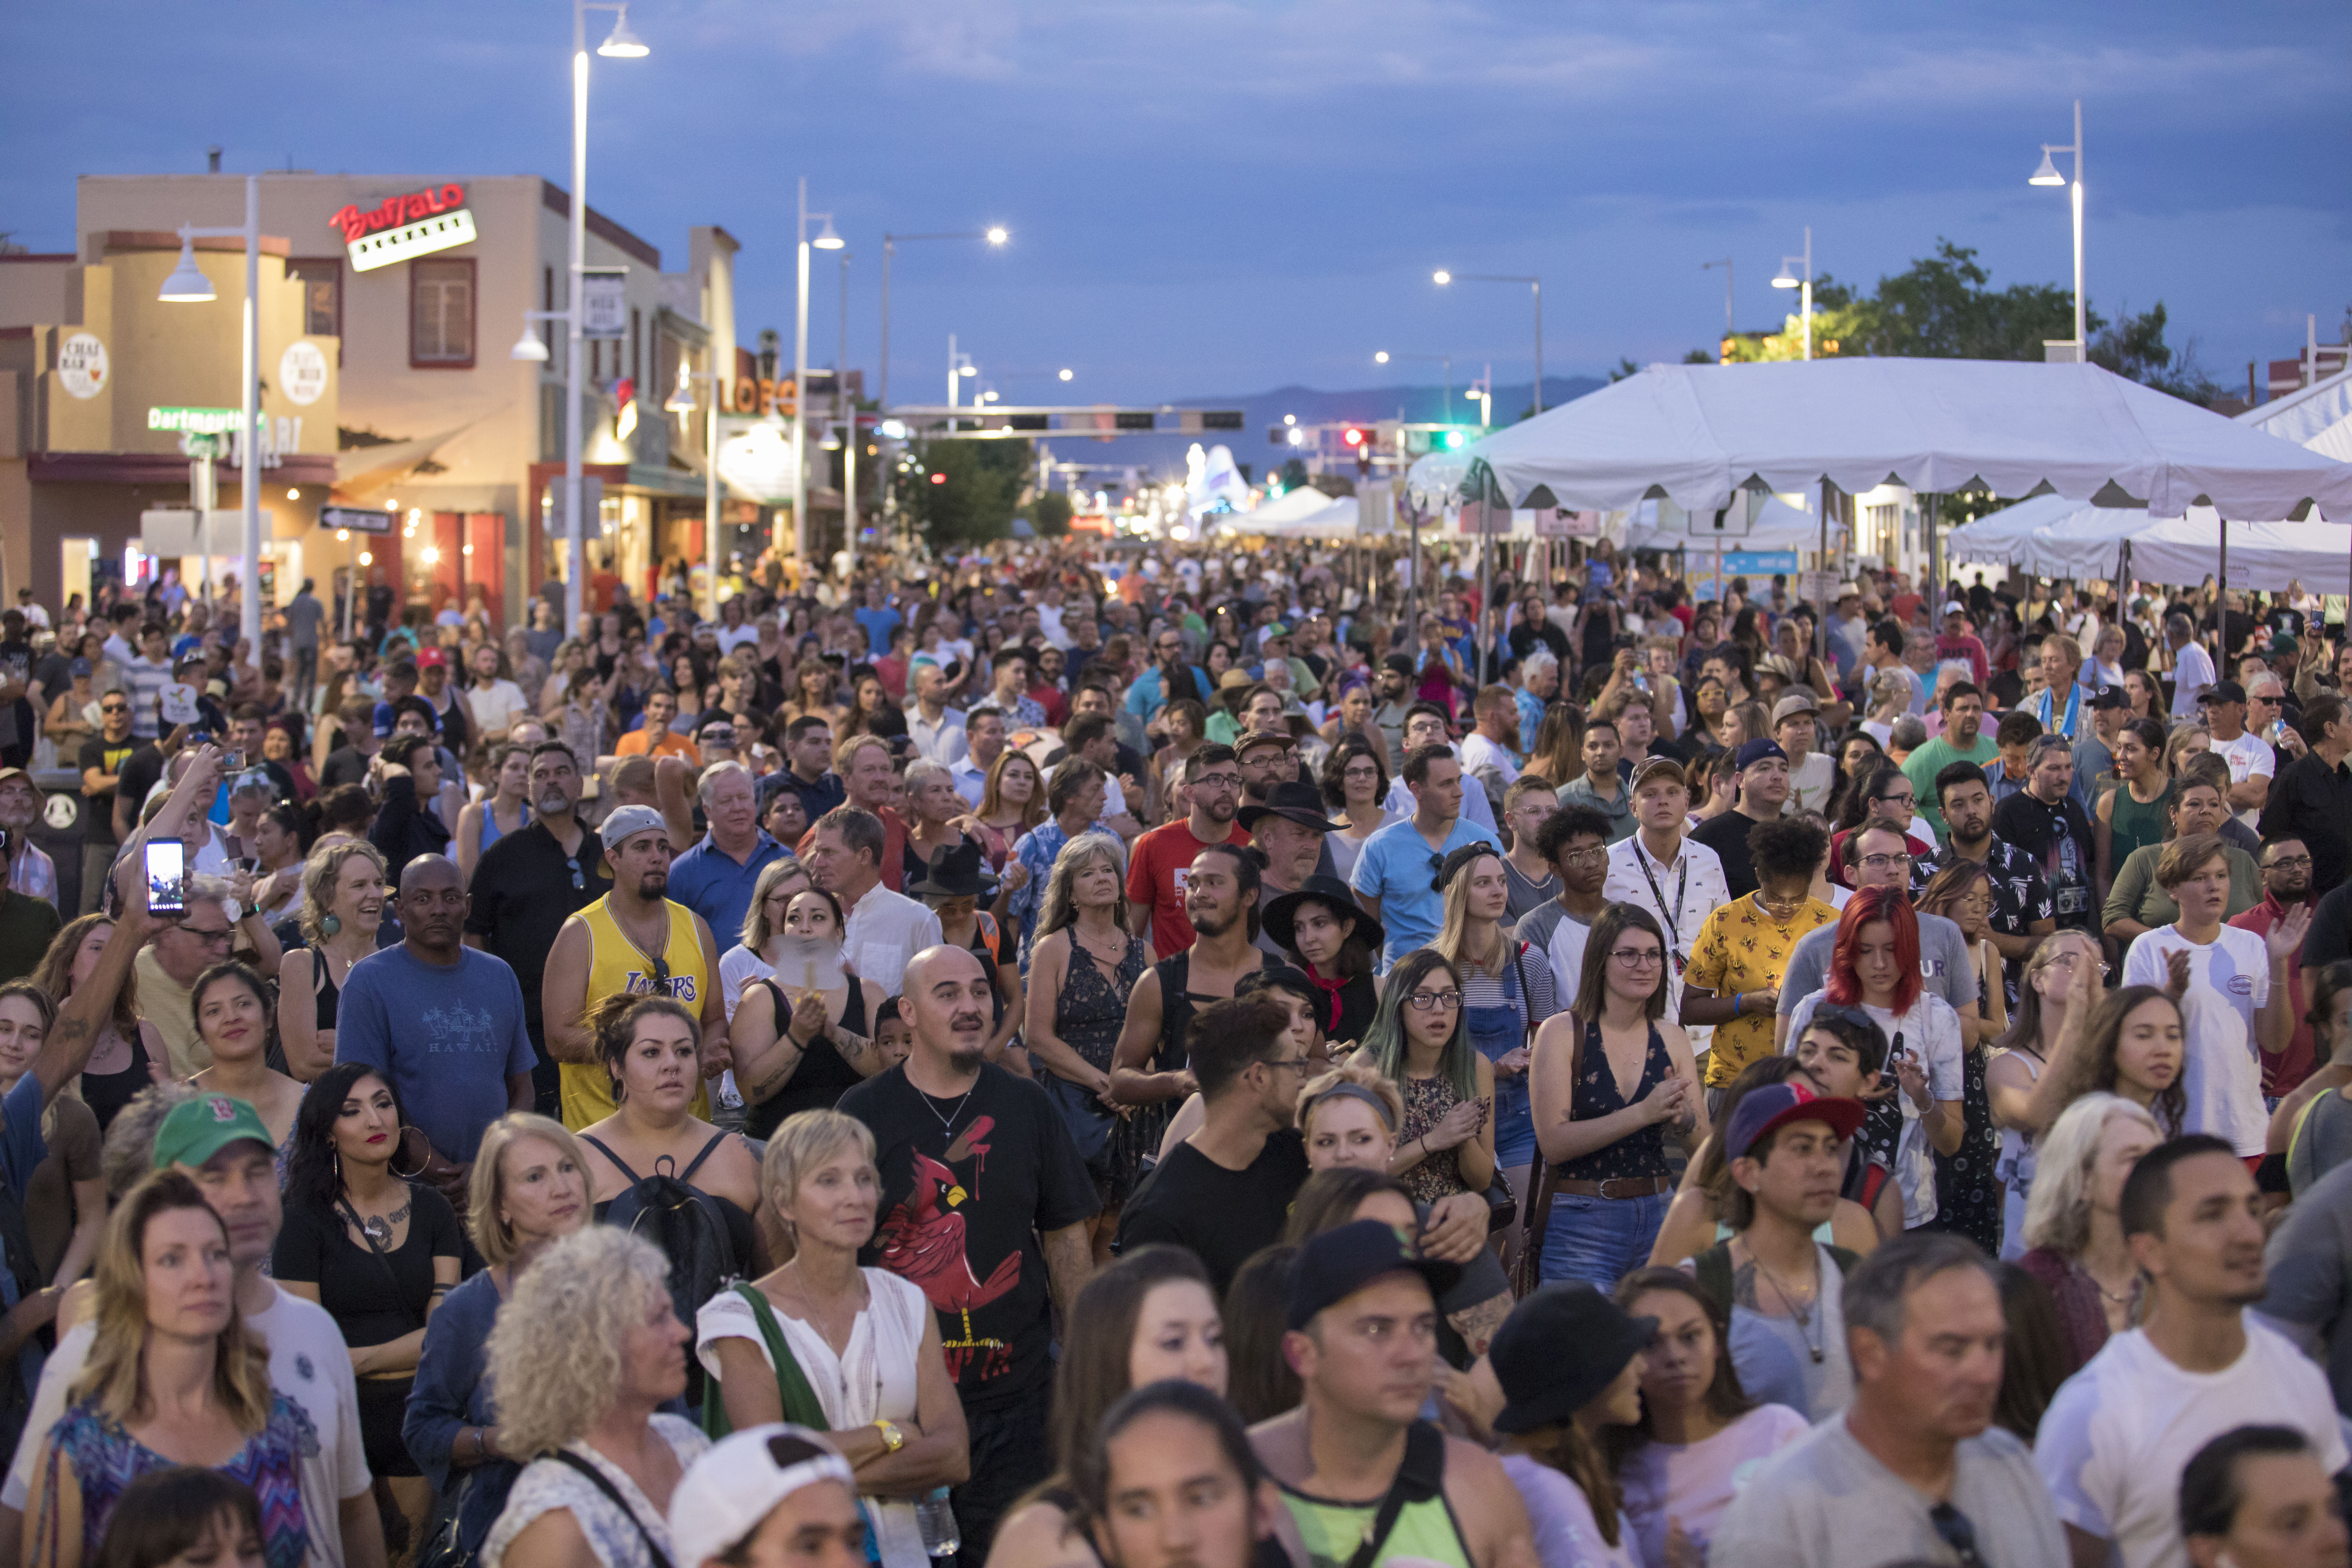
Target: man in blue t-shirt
459, 1056
879, 621
1396, 874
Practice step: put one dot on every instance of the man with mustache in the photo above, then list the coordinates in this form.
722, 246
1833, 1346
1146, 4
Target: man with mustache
985, 1206
2115, 1441
528, 884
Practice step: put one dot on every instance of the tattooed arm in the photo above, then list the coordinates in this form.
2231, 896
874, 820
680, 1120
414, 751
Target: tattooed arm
83, 1018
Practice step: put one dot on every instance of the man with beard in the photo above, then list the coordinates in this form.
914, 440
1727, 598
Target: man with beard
1394, 702
1963, 740
634, 941
438, 1022
1396, 872
528, 884
1914, 1469
984, 1206
2022, 910
1163, 858
2044, 820
808, 769
2287, 863
1171, 678
1289, 831
2116, 1439
1150, 1066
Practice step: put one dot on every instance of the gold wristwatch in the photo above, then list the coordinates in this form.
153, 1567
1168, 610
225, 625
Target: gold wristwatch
892, 1438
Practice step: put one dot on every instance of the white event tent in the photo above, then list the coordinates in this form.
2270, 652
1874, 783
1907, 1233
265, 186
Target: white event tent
1303, 513
1697, 433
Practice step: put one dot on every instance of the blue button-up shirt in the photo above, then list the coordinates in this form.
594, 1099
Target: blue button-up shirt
708, 880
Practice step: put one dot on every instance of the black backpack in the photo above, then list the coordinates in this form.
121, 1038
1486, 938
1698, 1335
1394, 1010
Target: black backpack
686, 1225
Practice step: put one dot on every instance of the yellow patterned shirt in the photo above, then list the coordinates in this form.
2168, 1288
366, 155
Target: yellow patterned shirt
1741, 948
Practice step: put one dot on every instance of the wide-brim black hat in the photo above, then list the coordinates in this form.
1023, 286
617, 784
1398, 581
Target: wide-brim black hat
1558, 1351
955, 871
1280, 918
1301, 802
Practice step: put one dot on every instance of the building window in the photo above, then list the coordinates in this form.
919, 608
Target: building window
441, 314
322, 295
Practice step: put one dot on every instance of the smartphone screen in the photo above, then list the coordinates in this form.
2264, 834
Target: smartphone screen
167, 877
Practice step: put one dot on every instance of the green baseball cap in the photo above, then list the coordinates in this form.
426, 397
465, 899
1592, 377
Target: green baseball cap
196, 1130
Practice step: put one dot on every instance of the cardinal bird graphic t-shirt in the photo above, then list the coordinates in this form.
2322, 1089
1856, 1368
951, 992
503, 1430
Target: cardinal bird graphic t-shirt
967, 1186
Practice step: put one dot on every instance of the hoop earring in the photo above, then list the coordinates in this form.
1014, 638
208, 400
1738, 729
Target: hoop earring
409, 1175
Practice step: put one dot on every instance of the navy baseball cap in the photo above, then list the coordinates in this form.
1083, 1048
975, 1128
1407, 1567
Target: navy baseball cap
1341, 1261
1756, 751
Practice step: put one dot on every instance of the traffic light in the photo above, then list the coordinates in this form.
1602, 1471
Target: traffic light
1359, 437
1451, 440
1355, 436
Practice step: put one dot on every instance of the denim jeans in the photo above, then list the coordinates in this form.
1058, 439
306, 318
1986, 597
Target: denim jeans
1601, 1240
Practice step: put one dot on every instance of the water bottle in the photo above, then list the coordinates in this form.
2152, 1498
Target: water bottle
942, 1535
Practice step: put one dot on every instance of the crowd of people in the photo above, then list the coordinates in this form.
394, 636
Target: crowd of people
1087, 1055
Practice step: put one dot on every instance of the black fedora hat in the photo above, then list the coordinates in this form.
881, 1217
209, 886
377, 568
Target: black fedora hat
1280, 918
1559, 1349
1301, 802
955, 872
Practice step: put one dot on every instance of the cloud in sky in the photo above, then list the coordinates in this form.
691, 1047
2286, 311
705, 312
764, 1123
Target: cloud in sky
1216, 197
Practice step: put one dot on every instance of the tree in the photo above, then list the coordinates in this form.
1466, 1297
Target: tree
1942, 307
2134, 347
1049, 514
964, 489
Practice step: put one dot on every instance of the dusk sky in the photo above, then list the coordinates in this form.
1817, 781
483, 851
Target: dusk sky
1220, 198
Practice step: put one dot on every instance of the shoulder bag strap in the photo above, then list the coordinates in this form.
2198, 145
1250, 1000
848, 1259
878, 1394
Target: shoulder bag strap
707, 1150
1420, 1477
1526, 997
618, 1164
1712, 1269
653, 1547
382, 1260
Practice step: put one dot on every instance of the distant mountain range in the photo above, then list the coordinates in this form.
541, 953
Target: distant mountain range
1162, 453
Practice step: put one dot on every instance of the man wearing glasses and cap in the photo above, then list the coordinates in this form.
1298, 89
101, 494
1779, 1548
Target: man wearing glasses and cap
1289, 830
2252, 761
1914, 1471
103, 758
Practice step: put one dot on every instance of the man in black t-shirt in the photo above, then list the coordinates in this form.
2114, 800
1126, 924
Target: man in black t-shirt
1763, 790
985, 1204
103, 757
1225, 1191
16, 732
2043, 820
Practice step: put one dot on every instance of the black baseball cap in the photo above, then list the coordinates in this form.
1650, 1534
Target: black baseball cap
1400, 662
2110, 697
2223, 691
1339, 1262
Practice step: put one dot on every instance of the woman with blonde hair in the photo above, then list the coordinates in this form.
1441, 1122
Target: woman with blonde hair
529, 1190
1507, 989
2046, 992
172, 1377
2073, 1228
130, 1055
800, 1051
1083, 968
852, 1352
342, 906
755, 956
588, 1351
1890, 699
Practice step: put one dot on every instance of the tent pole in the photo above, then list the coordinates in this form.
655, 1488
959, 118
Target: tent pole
1821, 565
1486, 579
2221, 611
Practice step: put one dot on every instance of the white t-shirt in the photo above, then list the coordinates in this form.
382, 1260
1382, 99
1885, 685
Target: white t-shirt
2192, 672
737, 967
2120, 1432
496, 706
1567, 953
1478, 751
2229, 981
1932, 1031
732, 638
309, 1364
2250, 756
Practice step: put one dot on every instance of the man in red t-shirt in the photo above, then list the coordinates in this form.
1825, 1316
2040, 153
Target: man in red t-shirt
1157, 868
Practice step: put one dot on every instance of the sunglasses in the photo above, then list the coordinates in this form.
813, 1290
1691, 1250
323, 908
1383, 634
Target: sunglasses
1956, 1531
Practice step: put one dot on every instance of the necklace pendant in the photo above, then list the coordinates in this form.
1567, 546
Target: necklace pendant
1815, 1352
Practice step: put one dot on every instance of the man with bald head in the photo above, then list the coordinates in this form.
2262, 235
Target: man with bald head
441, 1021
984, 1207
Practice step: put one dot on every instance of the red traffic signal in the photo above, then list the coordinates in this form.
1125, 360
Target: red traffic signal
1355, 436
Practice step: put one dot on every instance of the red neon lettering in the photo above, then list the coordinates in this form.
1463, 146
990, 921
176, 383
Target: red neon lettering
397, 211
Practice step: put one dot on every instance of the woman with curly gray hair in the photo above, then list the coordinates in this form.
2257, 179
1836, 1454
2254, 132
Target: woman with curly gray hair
584, 1355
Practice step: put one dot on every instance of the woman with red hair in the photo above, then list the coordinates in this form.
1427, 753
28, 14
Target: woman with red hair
1874, 972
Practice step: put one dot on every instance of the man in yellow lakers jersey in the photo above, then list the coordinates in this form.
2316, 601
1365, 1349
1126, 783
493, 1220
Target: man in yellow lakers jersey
635, 941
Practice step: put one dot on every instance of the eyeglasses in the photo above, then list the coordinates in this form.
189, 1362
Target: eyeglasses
1583, 857
579, 878
2289, 863
2067, 961
114, 706
217, 937
1954, 1529
1637, 957
1881, 862
1424, 1001
1218, 781
1844, 1014
1905, 801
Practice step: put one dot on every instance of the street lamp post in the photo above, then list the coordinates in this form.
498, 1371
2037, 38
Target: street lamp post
187, 285
2048, 174
619, 44
825, 240
1787, 280
1534, 289
994, 234
1728, 330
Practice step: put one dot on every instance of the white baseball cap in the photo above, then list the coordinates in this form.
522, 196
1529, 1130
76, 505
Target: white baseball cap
738, 1480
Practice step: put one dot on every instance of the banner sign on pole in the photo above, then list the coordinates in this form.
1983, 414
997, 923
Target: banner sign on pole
603, 307
358, 519
1758, 563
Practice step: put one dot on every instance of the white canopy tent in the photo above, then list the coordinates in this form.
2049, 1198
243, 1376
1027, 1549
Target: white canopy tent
2318, 417
1776, 526
1302, 513
1697, 433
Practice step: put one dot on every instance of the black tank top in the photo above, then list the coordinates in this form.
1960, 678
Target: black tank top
106, 1093
1594, 1094
330, 995
1177, 1005
822, 1078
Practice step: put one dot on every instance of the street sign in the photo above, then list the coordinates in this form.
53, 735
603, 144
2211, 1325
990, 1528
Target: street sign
358, 519
604, 306
1758, 563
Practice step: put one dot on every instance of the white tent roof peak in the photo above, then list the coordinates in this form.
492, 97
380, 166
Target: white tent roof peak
2318, 416
1695, 433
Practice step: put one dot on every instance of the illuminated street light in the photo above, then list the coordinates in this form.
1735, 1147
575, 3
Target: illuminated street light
2047, 175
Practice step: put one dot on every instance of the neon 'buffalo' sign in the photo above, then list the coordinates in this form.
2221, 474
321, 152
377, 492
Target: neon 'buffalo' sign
397, 211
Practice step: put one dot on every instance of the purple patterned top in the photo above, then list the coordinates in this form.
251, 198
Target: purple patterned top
106, 1458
